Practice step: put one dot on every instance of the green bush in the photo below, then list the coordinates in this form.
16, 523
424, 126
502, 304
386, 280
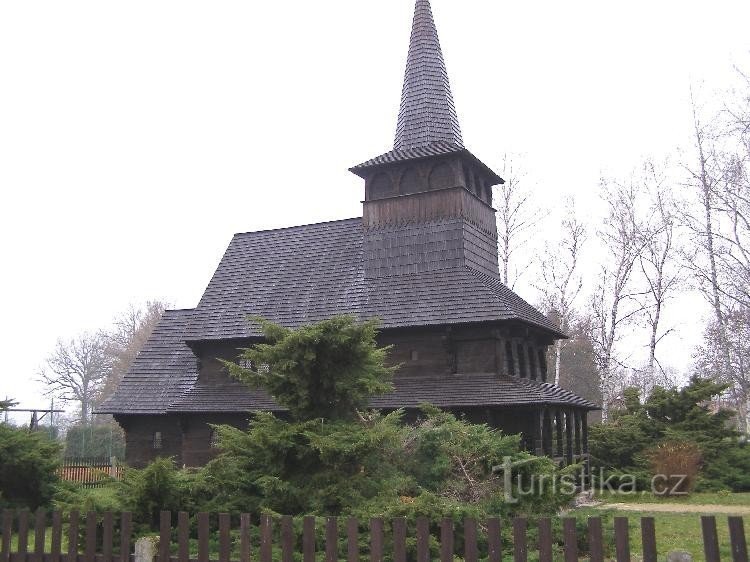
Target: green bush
28, 464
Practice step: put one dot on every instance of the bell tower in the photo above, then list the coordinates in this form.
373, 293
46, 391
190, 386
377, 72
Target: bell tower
428, 202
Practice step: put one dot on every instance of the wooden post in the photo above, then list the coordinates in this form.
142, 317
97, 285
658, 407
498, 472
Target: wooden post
537, 421
225, 544
203, 537
56, 544
399, 539
266, 538
559, 422
89, 553
165, 535
308, 540
126, 528
183, 537
108, 529
73, 536
352, 540
568, 437
7, 532
40, 528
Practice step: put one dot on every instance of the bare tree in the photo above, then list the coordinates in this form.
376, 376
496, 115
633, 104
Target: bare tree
614, 303
76, 371
661, 266
560, 276
516, 215
131, 330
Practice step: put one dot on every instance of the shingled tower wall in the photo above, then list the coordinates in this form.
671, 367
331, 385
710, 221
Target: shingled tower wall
428, 202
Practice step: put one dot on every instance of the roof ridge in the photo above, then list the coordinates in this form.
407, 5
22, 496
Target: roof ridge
295, 226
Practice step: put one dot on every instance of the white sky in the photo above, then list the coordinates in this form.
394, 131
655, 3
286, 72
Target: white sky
137, 137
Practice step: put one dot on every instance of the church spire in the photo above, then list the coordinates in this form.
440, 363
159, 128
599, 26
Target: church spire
427, 114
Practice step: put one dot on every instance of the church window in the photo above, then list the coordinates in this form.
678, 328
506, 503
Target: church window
381, 186
543, 364
509, 359
157, 440
521, 361
442, 176
532, 364
410, 182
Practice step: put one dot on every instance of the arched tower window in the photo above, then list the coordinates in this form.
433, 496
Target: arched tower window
441, 176
409, 182
381, 186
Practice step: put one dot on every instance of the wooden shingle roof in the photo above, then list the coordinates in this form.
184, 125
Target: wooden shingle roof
427, 113
304, 274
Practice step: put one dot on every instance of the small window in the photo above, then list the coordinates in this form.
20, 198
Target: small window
264, 368
532, 364
521, 361
543, 364
510, 364
245, 363
214, 439
414, 355
157, 440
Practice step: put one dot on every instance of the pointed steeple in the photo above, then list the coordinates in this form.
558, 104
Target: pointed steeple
427, 114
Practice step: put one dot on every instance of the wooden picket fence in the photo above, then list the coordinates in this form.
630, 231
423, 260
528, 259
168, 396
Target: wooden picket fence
89, 472
109, 539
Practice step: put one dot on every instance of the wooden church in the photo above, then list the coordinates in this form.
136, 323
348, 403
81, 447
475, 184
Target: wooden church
422, 259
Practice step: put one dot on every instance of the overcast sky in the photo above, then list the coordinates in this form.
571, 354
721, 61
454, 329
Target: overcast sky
137, 137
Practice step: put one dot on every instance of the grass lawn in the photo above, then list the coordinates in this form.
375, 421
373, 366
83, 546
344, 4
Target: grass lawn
703, 498
677, 530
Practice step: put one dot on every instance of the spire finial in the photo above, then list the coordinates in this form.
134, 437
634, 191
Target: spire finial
427, 114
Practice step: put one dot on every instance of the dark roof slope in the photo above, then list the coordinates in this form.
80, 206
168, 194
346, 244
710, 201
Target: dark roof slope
304, 274
163, 380
163, 370
427, 113
446, 391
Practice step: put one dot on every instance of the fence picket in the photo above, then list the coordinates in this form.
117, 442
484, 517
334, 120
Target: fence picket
545, 539
287, 539
446, 540
203, 537
648, 539
23, 534
423, 539
224, 544
570, 539
352, 540
332, 539
126, 528
165, 535
471, 552
376, 539
710, 538
494, 548
7, 532
183, 537
266, 538
622, 539
399, 539
40, 528
520, 551
56, 542
308, 539
596, 546
245, 538
89, 553
107, 536
737, 539
73, 536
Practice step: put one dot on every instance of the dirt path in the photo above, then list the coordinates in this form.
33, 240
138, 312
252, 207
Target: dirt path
679, 508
